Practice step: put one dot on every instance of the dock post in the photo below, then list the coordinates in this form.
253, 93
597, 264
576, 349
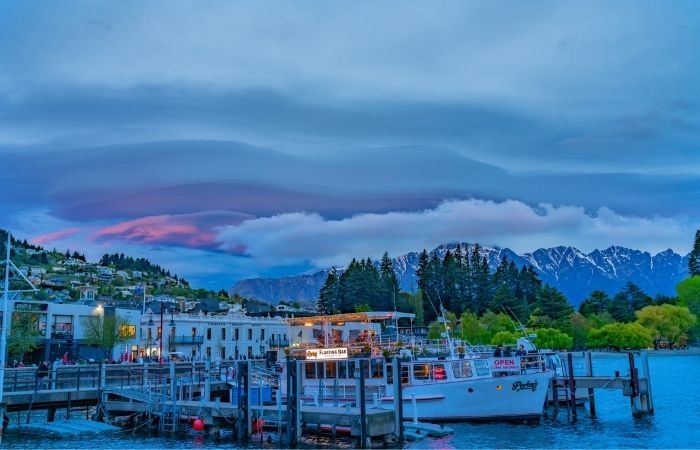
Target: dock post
634, 385
68, 408
292, 402
591, 391
244, 419
647, 375
207, 381
398, 399
363, 406
571, 385
173, 392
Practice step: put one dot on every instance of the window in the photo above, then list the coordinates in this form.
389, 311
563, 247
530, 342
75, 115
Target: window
236, 334
309, 370
439, 372
127, 331
223, 334
222, 353
209, 353
63, 325
461, 369
209, 334
262, 333
250, 334
421, 371
331, 369
194, 331
376, 368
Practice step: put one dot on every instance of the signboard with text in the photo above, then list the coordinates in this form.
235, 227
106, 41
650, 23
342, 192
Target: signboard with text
31, 307
505, 363
327, 353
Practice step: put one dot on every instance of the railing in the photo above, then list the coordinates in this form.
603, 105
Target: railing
93, 376
194, 340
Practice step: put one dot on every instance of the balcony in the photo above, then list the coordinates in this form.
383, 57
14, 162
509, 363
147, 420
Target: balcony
194, 340
277, 343
61, 335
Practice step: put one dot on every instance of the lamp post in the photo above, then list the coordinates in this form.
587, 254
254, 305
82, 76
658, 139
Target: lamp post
160, 332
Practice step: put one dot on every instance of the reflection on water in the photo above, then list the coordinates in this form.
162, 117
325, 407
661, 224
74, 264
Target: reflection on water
674, 425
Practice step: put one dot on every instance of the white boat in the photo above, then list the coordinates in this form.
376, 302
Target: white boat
438, 389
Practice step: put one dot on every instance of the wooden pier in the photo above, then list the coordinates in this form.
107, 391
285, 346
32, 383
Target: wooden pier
634, 385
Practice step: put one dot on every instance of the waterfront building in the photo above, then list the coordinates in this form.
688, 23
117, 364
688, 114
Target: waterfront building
208, 332
62, 329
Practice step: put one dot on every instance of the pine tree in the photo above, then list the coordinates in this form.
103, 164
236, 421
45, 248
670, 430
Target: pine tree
328, 301
694, 257
389, 283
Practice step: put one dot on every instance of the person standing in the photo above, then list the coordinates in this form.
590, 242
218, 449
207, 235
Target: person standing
499, 351
42, 373
521, 351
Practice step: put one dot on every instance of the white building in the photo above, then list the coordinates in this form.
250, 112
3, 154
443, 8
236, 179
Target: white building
227, 336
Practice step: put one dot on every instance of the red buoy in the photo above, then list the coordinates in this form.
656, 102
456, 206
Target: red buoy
198, 424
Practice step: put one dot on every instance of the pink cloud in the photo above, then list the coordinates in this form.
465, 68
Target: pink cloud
188, 230
56, 235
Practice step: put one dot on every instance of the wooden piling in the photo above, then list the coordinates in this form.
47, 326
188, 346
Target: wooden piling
363, 405
398, 399
591, 391
647, 376
571, 386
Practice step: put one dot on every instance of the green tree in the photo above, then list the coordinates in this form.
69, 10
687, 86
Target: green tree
694, 257
472, 329
620, 336
107, 332
503, 338
24, 334
667, 321
552, 307
596, 303
328, 296
627, 301
579, 329
552, 338
389, 284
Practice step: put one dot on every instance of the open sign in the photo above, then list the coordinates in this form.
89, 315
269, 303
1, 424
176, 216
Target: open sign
504, 363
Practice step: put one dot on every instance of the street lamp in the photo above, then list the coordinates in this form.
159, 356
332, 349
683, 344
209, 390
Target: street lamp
160, 332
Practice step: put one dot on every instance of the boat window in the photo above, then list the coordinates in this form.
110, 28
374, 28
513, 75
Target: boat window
352, 365
404, 375
389, 374
377, 368
482, 367
331, 369
421, 371
343, 369
310, 370
461, 369
319, 369
439, 372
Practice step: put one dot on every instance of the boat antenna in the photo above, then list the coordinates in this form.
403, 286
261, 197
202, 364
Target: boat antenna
442, 317
520, 327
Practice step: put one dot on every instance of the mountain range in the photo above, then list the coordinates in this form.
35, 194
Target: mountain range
574, 273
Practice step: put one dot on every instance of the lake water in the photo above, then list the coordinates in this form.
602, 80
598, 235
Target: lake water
676, 423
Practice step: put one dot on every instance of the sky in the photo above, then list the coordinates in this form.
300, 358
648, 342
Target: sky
226, 140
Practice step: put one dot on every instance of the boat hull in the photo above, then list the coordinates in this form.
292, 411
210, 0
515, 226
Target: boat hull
514, 397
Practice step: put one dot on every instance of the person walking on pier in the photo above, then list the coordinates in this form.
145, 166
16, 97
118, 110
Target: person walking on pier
41, 373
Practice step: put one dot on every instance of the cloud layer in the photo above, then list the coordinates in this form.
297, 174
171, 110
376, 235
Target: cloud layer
235, 139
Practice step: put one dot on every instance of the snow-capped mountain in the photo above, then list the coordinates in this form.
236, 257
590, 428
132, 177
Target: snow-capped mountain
571, 271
